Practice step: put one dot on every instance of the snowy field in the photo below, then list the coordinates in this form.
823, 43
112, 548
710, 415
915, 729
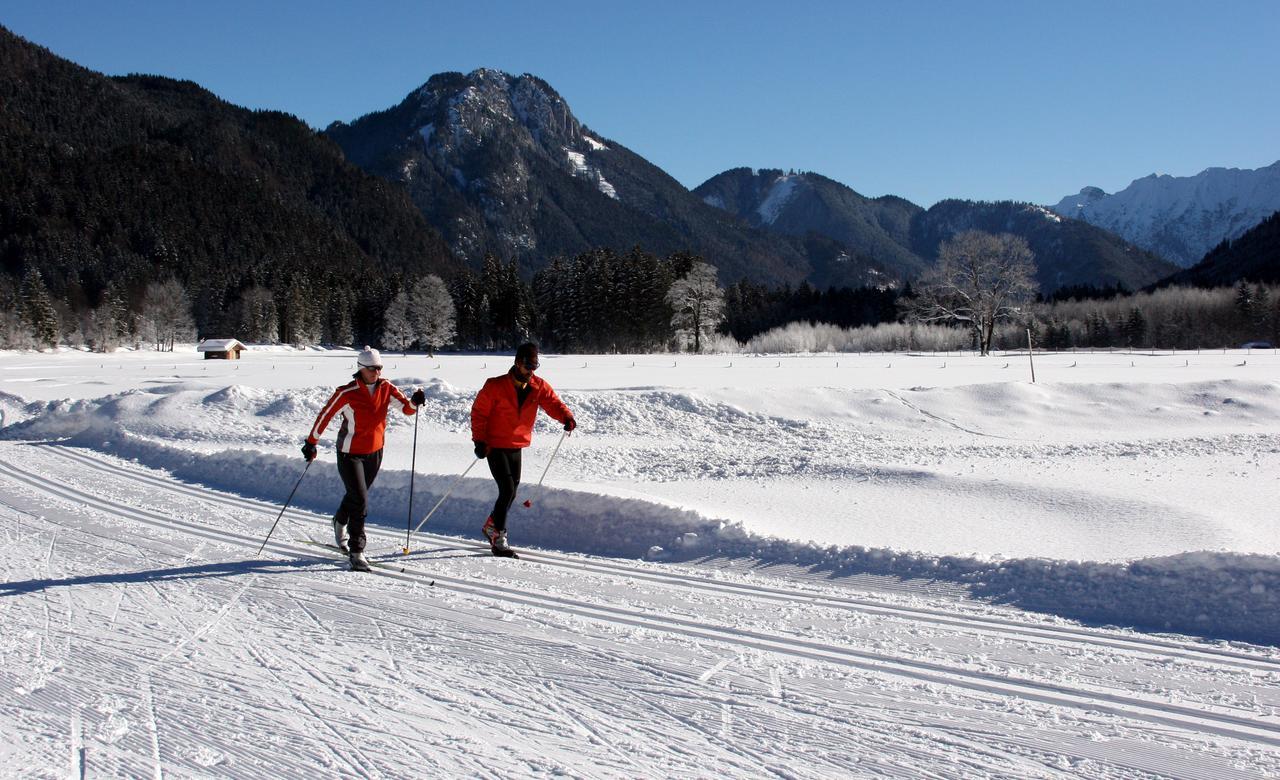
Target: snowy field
741, 566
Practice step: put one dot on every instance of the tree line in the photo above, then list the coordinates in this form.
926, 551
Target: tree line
980, 295
597, 301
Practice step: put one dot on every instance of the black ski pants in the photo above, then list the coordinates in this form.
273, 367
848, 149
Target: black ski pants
358, 473
504, 464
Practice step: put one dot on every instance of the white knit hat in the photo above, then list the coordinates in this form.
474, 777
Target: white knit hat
369, 357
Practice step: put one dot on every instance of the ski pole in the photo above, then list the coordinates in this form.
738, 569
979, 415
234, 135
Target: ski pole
287, 501
413, 470
528, 502
441, 501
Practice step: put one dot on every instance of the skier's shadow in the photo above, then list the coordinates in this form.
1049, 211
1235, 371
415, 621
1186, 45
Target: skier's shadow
201, 571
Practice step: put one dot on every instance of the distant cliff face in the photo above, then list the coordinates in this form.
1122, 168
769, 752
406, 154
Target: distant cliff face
1181, 218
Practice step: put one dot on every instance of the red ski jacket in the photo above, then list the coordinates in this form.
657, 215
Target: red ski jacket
364, 415
498, 419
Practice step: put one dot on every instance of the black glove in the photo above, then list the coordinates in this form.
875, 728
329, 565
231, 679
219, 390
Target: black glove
482, 449
419, 398
570, 424
309, 451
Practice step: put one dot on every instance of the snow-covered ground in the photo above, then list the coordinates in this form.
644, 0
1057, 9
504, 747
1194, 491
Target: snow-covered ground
802, 566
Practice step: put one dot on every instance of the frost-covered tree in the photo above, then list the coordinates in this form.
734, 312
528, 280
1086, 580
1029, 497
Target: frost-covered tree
166, 315
979, 279
13, 334
432, 313
99, 330
397, 328
37, 310
697, 302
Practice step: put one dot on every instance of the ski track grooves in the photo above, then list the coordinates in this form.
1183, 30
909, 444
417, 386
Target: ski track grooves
1184, 717
1006, 626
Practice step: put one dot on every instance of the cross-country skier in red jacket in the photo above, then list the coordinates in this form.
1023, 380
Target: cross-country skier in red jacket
502, 418
362, 404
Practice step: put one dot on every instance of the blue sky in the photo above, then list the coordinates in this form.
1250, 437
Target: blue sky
927, 100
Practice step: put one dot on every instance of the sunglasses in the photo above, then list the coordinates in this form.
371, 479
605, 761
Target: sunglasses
373, 368
532, 365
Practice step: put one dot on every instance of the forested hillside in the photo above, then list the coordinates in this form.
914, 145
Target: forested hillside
111, 184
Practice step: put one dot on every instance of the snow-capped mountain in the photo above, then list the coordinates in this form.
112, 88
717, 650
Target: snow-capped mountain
1181, 217
501, 165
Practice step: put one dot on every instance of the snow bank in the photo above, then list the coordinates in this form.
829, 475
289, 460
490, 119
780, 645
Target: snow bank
889, 451
1227, 596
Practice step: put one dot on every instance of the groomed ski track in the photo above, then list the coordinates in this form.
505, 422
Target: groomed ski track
849, 695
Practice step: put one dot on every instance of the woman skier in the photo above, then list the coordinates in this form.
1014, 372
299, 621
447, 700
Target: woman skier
362, 403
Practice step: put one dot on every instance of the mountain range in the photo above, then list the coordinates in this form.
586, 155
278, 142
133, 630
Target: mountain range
904, 237
1181, 218
130, 178
503, 167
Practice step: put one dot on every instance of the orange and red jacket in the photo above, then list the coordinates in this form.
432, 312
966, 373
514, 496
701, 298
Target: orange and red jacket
364, 415
498, 419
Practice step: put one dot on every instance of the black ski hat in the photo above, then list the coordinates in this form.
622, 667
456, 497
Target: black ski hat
527, 355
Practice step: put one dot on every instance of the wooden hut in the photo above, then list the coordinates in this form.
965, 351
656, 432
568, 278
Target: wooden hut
220, 349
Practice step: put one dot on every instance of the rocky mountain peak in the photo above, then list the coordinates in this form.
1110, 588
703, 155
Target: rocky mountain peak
1181, 217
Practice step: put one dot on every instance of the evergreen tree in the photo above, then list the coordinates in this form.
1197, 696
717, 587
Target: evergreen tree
1244, 302
338, 328
37, 310
467, 299
1135, 328
1262, 310
301, 320
258, 321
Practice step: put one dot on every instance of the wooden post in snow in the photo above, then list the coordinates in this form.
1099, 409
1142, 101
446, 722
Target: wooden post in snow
1030, 359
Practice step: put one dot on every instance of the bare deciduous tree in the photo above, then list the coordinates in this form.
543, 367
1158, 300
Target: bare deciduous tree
698, 303
980, 279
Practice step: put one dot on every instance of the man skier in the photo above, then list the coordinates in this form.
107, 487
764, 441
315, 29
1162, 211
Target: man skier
502, 418
363, 404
